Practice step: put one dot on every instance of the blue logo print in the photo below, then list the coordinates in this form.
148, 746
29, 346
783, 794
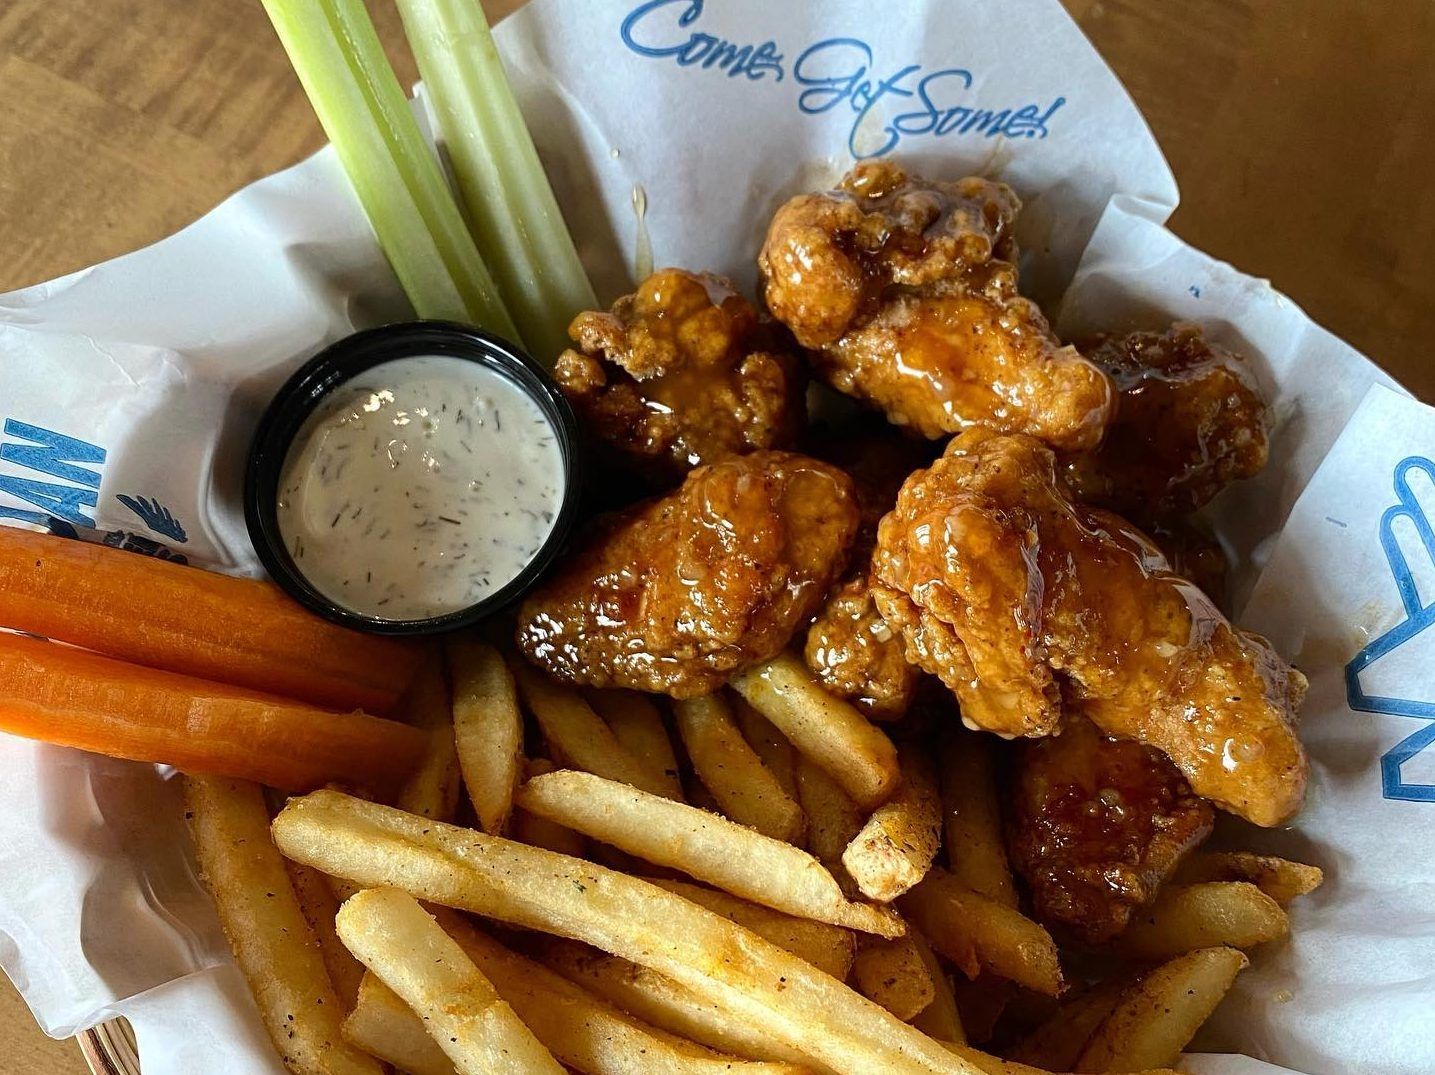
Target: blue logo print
155, 516
1418, 616
842, 75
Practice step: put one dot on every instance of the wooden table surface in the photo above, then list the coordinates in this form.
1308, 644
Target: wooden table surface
1299, 131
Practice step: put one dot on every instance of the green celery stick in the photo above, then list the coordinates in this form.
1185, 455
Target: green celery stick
337, 55
500, 179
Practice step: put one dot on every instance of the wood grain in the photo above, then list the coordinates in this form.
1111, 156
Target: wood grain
1299, 133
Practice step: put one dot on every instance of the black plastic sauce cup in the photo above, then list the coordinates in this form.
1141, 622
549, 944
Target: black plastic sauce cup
338, 364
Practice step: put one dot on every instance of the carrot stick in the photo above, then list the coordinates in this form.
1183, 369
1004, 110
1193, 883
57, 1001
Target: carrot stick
79, 699
197, 623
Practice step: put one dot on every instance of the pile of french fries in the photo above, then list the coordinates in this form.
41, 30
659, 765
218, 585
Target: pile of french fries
759, 881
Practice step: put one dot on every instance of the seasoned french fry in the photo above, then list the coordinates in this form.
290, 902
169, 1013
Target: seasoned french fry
975, 933
538, 831
580, 735
383, 1025
1161, 1013
753, 980
667, 1004
1280, 879
745, 789
1056, 1043
828, 948
833, 819
854, 751
893, 974
276, 950
320, 906
771, 745
896, 846
1235, 914
705, 846
433, 790
581, 1030
411, 954
995, 1065
939, 1019
488, 728
638, 726
976, 852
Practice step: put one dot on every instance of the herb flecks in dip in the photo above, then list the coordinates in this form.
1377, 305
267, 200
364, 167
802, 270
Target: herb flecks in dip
420, 488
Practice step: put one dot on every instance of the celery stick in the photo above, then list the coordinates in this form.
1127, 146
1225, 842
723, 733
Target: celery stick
337, 55
510, 204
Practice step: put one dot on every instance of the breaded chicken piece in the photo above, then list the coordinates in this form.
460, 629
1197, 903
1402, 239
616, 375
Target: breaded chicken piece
1025, 602
855, 654
905, 290
1095, 824
1189, 420
674, 595
1193, 554
850, 649
681, 373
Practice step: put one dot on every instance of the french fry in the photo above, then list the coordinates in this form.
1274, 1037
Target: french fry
538, 831
578, 1028
1280, 879
940, 1019
771, 745
895, 848
578, 734
977, 933
995, 1065
833, 819
638, 726
410, 953
976, 852
1056, 1043
745, 789
276, 950
705, 846
828, 948
320, 907
1233, 914
772, 991
433, 789
488, 728
1161, 1013
667, 1004
856, 753
893, 974
382, 1025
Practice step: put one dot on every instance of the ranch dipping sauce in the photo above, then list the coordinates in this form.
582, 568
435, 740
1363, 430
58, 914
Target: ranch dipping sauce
419, 488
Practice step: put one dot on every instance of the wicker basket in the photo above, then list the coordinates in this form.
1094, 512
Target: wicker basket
110, 1049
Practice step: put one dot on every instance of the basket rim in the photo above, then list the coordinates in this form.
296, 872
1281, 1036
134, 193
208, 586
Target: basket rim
109, 1049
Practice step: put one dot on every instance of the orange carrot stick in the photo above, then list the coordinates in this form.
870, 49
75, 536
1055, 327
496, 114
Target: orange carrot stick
197, 623
79, 699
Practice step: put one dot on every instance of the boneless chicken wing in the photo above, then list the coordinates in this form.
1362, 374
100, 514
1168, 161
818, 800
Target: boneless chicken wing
1026, 602
850, 648
1095, 824
905, 291
680, 373
1189, 420
676, 594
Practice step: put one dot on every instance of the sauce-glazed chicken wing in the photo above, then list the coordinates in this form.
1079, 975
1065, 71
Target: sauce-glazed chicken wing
1095, 824
850, 648
905, 290
1189, 420
676, 594
681, 373
1025, 602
